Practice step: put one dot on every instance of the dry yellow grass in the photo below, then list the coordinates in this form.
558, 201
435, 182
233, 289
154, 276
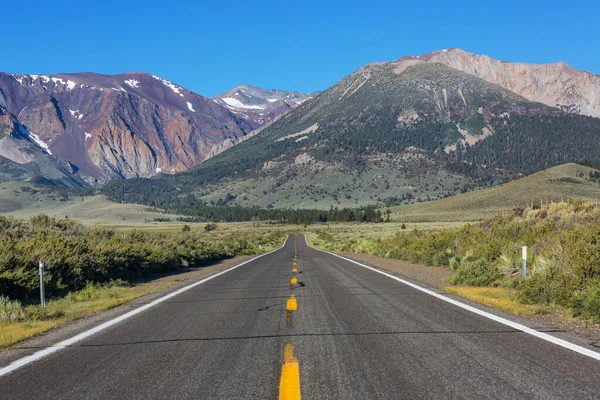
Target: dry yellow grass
501, 298
79, 305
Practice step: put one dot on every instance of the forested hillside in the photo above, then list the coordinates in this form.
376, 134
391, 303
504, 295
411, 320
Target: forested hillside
386, 134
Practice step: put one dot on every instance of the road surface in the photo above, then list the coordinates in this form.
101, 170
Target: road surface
356, 334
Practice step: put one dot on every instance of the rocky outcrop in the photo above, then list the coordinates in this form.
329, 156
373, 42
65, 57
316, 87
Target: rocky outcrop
556, 84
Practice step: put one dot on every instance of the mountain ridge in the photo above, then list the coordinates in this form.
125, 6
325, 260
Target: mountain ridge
113, 126
555, 84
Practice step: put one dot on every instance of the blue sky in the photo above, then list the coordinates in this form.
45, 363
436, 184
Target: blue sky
293, 45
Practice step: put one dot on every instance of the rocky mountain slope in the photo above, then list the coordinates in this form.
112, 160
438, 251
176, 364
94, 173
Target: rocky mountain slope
386, 133
557, 84
96, 128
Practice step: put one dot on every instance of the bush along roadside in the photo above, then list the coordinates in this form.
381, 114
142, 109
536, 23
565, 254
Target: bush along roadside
76, 256
563, 261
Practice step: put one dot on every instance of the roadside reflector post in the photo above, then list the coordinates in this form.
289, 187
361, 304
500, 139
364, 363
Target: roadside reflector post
524, 265
42, 289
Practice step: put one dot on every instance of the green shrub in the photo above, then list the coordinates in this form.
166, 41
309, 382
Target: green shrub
210, 227
10, 310
476, 272
551, 287
586, 302
80, 258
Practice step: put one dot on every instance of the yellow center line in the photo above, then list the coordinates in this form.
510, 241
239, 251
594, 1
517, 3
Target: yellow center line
289, 386
292, 304
293, 281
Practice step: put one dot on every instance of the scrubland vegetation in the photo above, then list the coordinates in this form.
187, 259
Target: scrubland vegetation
75, 255
89, 269
563, 260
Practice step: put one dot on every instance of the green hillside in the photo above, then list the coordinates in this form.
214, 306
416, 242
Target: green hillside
24, 200
568, 181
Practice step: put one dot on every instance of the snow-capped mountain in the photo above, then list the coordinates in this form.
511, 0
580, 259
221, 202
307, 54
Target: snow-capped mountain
128, 125
260, 106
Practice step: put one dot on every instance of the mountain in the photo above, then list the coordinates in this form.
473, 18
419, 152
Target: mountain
111, 126
385, 133
394, 132
557, 84
259, 106
92, 128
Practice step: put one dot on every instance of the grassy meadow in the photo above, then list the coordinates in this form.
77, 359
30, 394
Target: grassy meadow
24, 200
568, 181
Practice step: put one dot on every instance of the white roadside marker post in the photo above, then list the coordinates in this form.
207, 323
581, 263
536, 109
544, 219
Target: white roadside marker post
42, 291
524, 267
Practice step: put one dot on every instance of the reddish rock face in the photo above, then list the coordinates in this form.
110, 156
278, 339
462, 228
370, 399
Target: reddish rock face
113, 126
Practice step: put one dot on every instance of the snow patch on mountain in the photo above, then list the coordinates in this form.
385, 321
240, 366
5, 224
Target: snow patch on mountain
174, 88
19, 79
132, 82
35, 138
76, 114
190, 107
230, 101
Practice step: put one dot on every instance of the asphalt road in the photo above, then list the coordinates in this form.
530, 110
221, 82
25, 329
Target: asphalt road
356, 335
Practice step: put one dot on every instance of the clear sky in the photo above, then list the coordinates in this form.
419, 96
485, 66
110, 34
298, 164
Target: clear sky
212, 46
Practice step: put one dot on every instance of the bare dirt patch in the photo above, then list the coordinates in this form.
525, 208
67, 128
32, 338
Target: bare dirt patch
431, 276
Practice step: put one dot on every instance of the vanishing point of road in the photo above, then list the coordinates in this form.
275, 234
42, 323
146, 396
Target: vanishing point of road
346, 333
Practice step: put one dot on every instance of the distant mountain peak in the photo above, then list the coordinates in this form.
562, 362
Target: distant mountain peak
258, 105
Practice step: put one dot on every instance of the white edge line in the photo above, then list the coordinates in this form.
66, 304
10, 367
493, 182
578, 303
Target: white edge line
512, 324
83, 335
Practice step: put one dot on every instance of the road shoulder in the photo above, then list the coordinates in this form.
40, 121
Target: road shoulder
436, 278
51, 337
